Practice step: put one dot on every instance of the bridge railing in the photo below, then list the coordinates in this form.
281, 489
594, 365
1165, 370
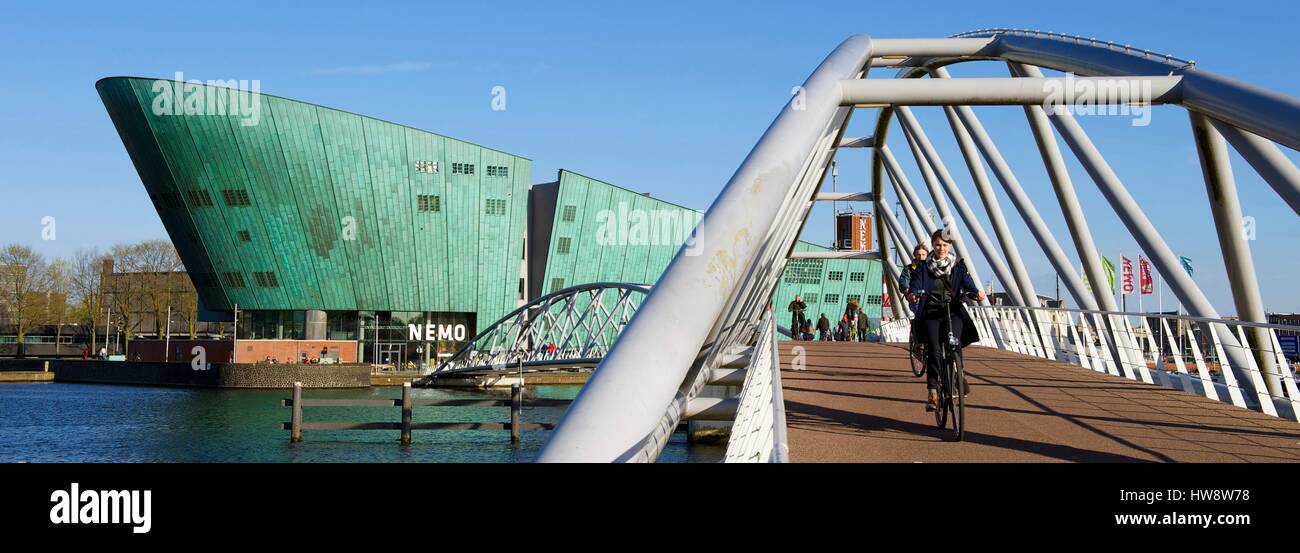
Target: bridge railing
758, 434
1175, 351
573, 327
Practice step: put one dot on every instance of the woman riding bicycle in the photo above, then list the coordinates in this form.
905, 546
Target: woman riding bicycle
937, 287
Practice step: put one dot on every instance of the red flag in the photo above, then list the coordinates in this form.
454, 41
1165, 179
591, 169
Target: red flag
1144, 276
1127, 287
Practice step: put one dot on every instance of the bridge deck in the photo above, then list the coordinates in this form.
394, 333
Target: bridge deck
859, 402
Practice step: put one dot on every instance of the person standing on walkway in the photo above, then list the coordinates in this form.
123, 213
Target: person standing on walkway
796, 308
851, 314
824, 328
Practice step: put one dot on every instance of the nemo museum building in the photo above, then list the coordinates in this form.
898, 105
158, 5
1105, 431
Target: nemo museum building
323, 230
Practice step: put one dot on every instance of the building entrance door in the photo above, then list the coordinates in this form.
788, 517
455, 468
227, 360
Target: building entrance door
392, 354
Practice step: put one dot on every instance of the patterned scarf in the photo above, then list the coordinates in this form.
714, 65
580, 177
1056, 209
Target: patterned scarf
941, 266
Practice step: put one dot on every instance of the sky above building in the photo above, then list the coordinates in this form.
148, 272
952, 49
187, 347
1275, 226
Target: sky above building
663, 97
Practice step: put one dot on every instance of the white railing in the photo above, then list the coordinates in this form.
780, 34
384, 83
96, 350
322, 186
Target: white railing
758, 434
1180, 352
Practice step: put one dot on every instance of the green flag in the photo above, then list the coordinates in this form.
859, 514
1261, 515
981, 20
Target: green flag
1110, 273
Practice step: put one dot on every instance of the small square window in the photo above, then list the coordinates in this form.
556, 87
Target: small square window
428, 202
557, 284
570, 213
236, 197
198, 198
835, 275
244, 236
562, 246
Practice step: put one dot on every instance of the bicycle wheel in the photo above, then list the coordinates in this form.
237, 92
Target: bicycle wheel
941, 414
955, 379
917, 354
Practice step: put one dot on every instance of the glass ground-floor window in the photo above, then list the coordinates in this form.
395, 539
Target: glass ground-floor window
388, 337
272, 325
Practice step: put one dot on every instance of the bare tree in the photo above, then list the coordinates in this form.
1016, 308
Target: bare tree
24, 279
150, 290
185, 302
124, 293
56, 299
86, 281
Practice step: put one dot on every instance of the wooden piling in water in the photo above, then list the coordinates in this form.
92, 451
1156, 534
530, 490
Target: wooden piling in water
406, 413
295, 434
516, 409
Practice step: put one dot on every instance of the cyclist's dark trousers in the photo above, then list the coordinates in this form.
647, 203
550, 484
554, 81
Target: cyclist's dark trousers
932, 332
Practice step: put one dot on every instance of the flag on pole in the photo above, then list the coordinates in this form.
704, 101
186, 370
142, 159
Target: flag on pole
1187, 264
1126, 265
1110, 273
1144, 276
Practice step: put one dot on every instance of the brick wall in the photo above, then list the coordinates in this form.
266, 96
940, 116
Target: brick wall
250, 351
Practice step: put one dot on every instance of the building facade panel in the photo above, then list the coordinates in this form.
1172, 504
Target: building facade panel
277, 205
201, 198
312, 208
395, 207
427, 170
128, 118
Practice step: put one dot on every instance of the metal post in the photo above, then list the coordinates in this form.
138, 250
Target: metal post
1226, 208
913, 129
906, 246
950, 223
935, 172
1075, 221
234, 341
516, 411
1131, 214
921, 225
167, 344
406, 413
1268, 161
622, 405
295, 432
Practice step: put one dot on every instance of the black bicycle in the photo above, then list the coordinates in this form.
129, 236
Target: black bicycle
952, 380
916, 347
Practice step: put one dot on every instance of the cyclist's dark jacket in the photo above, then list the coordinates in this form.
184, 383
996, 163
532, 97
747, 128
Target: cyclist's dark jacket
960, 283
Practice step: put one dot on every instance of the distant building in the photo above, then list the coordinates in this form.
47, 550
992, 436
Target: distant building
330, 230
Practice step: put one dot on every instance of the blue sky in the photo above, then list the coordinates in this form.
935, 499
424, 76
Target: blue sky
661, 97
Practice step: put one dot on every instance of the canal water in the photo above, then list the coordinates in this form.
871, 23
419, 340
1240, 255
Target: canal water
61, 422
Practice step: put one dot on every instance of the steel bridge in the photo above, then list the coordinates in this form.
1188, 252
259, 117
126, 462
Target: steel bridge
708, 317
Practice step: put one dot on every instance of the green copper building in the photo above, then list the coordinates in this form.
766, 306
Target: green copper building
320, 225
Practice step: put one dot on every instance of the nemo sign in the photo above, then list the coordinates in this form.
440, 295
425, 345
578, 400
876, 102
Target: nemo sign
436, 332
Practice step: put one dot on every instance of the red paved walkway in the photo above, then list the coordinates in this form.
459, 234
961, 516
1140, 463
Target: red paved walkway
859, 402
